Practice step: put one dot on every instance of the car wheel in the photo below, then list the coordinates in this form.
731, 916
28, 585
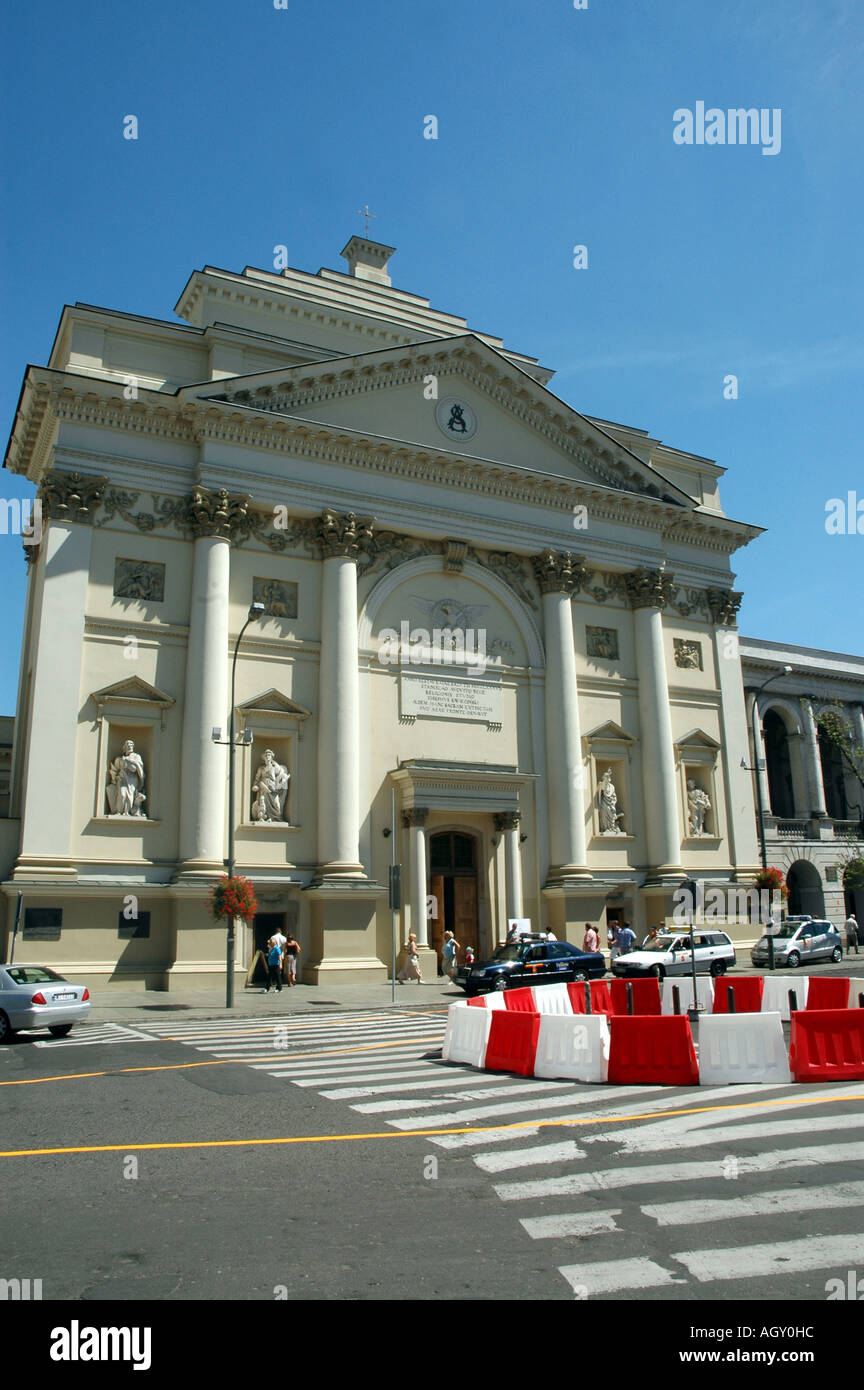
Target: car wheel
718, 967
836, 955
658, 972
793, 959
60, 1030
580, 977
5, 1030
500, 982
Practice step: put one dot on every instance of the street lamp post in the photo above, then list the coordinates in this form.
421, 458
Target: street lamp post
256, 611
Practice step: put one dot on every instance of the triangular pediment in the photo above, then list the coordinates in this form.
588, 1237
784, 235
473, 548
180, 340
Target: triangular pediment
610, 732
404, 398
273, 702
697, 738
134, 689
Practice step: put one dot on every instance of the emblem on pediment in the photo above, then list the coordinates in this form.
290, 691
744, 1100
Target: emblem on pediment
456, 419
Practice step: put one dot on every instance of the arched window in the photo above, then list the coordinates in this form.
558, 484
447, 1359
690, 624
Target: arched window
779, 766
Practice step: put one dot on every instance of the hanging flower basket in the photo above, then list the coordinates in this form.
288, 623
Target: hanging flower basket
773, 880
233, 897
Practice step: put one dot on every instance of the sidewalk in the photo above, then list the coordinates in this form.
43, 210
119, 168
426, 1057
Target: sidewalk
118, 1005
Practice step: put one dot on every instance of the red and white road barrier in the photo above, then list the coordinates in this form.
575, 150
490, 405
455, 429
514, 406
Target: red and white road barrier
742, 1047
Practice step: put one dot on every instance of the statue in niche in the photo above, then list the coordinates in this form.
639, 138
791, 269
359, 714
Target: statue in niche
269, 790
610, 816
125, 792
698, 805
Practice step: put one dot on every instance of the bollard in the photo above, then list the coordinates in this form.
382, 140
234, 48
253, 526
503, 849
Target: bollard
793, 1002
587, 997
861, 1001
676, 1000
730, 999
629, 997
770, 950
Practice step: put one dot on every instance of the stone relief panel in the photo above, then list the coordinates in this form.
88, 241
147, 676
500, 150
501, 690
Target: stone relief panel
602, 642
279, 597
139, 579
688, 655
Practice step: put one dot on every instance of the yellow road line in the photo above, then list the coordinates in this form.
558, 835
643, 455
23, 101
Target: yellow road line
417, 1133
221, 1062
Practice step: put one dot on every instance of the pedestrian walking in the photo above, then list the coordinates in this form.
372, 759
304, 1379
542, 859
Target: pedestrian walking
469, 956
411, 969
590, 941
274, 967
612, 941
448, 951
626, 939
292, 951
851, 928
513, 935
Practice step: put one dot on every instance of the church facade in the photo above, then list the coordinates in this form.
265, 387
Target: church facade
493, 639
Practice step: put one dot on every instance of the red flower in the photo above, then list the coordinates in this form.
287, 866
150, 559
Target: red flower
233, 897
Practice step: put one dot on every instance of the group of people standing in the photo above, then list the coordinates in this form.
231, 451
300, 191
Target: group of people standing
282, 953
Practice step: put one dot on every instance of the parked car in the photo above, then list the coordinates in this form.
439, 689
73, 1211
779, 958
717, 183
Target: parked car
670, 954
32, 996
531, 962
800, 939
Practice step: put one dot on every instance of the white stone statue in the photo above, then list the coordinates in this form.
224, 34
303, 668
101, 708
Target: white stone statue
698, 804
610, 816
269, 790
126, 781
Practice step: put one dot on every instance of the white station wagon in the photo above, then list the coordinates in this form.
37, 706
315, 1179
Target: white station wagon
670, 952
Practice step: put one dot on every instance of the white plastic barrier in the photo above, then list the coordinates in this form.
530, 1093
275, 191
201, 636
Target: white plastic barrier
574, 1048
775, 995
742, 1047
494, 999
552, 999
856, 987
466, 1035
704, 993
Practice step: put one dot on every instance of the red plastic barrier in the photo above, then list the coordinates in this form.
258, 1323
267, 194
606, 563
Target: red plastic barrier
652, 1050
601, 999
827, 1045
512, 1042
478, 1001
826, 993
748, 994
519, 1001
646, 996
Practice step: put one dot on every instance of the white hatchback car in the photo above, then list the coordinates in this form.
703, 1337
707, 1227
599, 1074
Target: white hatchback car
670, 952
32, 996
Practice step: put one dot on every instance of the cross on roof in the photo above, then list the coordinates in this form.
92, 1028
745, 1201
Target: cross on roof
364, 212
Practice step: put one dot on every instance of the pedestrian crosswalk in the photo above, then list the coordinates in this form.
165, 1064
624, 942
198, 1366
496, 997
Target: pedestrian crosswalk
648, 1190
87, 1035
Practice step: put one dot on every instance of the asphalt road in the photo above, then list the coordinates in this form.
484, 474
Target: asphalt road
656, 1194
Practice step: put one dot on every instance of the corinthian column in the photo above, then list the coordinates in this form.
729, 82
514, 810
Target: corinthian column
214, 518
507, 823
813, 761
558, 572
342, 539
649, 591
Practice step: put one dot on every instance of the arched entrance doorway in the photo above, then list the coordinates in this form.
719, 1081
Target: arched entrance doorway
805, 890
453, 885
779, 766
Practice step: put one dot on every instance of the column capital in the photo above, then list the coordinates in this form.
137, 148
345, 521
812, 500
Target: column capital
343, 533
215, 512
559, 571
723, 605
507, 820
71, 496
649, 588
415, 815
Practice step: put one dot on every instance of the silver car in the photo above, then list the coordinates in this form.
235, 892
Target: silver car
32, 996
800, 939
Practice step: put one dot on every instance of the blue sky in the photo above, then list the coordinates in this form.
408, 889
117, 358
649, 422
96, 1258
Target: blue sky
260, 127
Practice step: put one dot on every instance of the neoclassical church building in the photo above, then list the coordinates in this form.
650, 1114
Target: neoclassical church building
494, 639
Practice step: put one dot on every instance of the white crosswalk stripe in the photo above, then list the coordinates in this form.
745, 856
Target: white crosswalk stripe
88, 1035
388, 1066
